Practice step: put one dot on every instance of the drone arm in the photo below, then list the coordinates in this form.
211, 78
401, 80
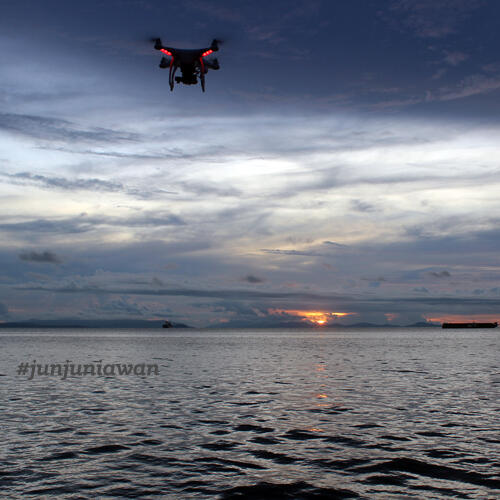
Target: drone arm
166, 52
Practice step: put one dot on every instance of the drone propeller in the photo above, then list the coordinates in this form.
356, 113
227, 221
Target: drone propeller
157, 42
216, 42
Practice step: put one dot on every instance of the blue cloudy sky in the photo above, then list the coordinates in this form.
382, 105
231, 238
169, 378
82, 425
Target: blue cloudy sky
344, 159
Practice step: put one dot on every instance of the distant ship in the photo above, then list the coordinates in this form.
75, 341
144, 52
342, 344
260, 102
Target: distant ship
167, 324
470, 325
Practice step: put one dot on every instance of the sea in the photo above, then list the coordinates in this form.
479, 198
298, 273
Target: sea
376, 413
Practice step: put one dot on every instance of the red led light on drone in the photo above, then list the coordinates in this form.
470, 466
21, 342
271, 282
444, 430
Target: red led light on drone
165, 51
207, 53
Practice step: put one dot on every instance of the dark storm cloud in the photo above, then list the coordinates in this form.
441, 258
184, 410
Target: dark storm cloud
56, 129
44, 257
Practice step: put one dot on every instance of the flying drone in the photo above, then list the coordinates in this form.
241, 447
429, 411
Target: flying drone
191, 61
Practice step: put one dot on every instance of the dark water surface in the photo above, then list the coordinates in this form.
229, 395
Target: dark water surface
373, 413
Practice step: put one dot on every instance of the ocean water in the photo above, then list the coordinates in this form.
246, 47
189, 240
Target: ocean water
236, 414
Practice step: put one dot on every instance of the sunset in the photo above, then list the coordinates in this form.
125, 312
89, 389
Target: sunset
368, 183
250, 249
317, 317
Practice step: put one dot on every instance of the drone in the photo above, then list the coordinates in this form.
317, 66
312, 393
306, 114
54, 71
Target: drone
191, 61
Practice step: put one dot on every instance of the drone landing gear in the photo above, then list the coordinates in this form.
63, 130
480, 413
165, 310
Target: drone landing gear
171, 74
202, 74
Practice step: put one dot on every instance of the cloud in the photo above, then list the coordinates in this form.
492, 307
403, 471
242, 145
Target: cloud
334, 244
157, 282
121, 306
432, 18
439, 274
56, 129
87, 184
209, 189
85, 223
375, 283
352, 302
455, 58
362, 206
4, 311
277, 251
250, 278
91, 184
40, 257
469, 86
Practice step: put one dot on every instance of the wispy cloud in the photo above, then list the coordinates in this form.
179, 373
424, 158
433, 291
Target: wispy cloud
85, 223
82, 184
57, 129
433, 18
91, 184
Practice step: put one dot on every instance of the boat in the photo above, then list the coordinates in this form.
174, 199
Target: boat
470, 325
167, 324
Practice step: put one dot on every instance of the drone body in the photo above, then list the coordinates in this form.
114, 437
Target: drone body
192, 63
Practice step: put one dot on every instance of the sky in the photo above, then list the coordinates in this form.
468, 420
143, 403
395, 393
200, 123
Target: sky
341, 167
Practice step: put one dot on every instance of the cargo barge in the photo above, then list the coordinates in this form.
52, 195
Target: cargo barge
470, 325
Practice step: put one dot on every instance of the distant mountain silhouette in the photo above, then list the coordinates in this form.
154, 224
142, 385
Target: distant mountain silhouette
157, 324
89, 323
307, 324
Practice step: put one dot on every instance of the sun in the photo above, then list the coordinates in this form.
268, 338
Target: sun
319, 318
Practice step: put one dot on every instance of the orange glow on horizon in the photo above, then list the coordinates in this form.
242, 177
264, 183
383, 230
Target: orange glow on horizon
317, 317
391, 316
463, 318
